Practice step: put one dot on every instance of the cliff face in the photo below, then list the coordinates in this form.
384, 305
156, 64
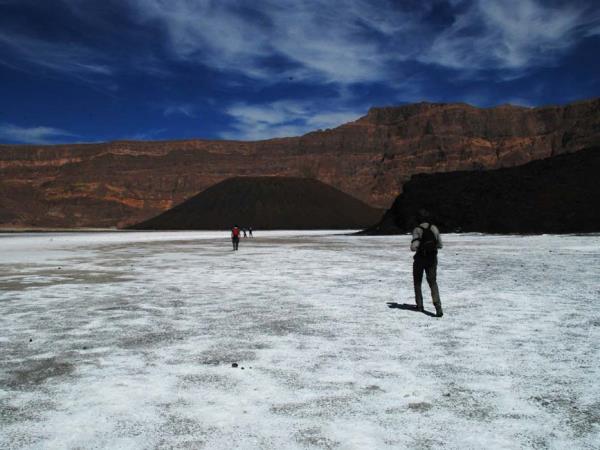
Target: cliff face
560, 194
121, 183
266, 203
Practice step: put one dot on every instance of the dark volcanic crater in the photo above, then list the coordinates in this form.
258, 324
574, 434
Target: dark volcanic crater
267, 203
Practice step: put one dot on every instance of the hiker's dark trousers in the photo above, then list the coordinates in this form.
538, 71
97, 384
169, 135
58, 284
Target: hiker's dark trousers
236, 242
429, 266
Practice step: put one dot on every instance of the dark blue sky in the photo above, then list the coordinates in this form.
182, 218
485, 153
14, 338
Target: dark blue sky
92, 70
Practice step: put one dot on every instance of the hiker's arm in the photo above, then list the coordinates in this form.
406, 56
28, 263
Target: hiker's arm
438, 236
416, 239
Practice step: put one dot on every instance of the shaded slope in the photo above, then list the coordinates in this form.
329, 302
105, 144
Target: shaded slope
266, 203
555, 195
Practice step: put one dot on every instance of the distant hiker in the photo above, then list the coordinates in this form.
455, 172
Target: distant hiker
425, 243
244, 231
250, 231
235, 237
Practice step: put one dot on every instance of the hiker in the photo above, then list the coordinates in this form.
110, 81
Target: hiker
425, 243
235, 237
250, 231
244, 231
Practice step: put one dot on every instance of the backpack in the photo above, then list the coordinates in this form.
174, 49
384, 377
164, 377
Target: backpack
236, 232
428, 244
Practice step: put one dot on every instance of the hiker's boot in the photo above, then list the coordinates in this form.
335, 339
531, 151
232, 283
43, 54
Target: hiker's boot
438, 310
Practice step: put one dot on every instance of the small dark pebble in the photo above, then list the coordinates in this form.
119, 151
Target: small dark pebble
234, 365
447, 395
30, 340
242, 367
59, 268
84, 348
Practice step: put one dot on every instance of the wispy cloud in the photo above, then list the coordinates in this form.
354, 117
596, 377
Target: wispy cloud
357, 41
322, 40
61, 57
269, 64
33, 135
343, 42
145, 135
184, 110
283, 118
513, 35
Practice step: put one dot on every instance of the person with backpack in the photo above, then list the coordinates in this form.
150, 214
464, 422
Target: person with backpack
235, 237
426, 241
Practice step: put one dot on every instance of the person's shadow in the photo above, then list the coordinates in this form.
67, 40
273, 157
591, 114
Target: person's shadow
408, 307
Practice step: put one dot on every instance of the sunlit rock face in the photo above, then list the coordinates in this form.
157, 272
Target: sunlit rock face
267, 203
122, 183
560, 194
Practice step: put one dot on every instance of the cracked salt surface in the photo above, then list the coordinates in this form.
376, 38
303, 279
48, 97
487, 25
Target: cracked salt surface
133, 336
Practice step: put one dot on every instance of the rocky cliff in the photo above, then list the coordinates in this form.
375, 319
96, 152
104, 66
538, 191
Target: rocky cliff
266, 203
560, 194
121, 183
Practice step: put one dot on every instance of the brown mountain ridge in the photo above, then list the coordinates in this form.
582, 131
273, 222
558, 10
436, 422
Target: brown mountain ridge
122, 183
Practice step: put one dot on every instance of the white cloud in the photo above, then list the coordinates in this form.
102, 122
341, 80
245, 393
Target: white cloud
352, 41
337, 43
282, 119
327, 41
62, 57
342, 42
32, 135
513, 34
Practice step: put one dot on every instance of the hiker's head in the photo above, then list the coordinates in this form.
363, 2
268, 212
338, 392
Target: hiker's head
423, 215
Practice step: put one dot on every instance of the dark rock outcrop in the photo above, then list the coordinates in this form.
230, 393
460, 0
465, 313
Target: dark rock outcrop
266, 203
121, 183
560, 194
